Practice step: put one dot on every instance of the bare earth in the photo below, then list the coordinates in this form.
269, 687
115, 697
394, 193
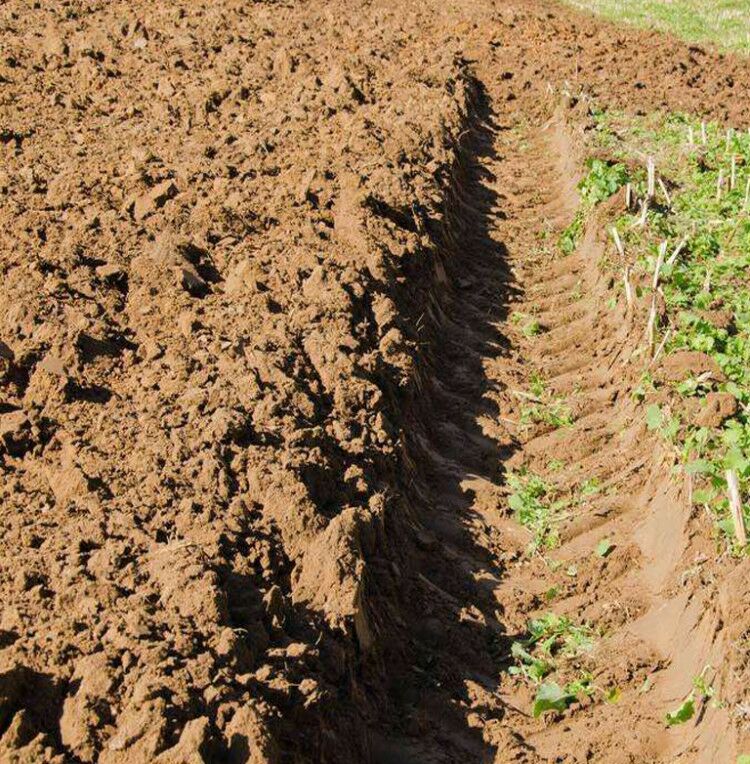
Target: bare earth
257, 376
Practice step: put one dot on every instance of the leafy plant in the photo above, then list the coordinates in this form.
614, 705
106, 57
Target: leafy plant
667, 426
553, 413
680, 715
536, 507
701, 689
572, 233
532, 328
553, 642
604, 548
551, 697
603, 180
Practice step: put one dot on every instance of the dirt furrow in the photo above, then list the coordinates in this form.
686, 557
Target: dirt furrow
476, 586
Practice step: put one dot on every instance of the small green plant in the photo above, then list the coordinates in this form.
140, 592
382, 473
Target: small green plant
657, 420
571, 234
604, 548
589, 487
536, 507
537, 385
554, 413
531, 328
603, 180
554, 643
701, 691
680, 715
551, 697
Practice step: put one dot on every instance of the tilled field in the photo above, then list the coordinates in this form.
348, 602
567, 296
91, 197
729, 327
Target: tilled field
260, 366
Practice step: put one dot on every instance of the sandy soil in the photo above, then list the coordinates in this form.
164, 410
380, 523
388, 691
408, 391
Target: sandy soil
256, 386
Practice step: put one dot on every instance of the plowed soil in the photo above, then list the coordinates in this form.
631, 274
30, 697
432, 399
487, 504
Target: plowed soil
258, 382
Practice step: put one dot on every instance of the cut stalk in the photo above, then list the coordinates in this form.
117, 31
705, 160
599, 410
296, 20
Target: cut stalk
651, 328
733, 173
719, 184
644, 214
660, 349
704, 137
747, 196
651, 169
735, 505
659, 263
618, 242
673, 257
628, 288
663, 188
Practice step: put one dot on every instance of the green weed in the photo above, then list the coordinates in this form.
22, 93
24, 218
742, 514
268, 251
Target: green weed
555, 414
602, 180
701, 691
537, 508
554, 643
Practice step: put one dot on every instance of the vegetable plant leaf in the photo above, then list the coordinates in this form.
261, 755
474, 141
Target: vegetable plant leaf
653, 417
613, 695
551, 697
699, 466
682, 714
604, 547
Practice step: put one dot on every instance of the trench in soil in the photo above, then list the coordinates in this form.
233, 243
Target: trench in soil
473, 585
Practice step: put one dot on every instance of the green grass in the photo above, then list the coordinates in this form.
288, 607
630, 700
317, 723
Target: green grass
723, 23
709, 276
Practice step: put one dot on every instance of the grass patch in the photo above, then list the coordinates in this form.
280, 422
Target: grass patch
723, 23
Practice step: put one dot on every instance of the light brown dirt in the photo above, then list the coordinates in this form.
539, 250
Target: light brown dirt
258, 263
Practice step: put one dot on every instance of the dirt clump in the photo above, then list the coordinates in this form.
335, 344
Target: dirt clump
717, 408
679, 366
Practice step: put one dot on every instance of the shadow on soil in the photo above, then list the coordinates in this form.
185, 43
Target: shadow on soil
450, 615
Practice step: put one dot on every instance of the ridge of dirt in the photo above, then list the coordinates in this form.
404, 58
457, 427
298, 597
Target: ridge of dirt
257, 367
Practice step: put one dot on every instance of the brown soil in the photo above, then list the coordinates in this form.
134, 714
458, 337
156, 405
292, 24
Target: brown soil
257, 372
